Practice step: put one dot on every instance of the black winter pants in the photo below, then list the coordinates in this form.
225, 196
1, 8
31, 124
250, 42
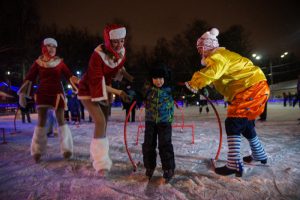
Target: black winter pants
162, 132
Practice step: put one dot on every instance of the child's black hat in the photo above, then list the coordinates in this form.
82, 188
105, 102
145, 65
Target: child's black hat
159, 71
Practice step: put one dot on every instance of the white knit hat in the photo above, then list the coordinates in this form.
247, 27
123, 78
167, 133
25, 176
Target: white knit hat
208, 40
50, 41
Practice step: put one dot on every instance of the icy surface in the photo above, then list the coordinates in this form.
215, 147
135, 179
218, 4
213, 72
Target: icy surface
56, 178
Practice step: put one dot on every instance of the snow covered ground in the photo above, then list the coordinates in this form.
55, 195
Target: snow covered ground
56, 178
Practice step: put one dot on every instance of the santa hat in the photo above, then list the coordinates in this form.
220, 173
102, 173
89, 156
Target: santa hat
113, 32
50, 41
208, 40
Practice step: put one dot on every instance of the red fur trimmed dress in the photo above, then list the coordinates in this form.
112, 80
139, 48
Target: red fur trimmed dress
102, 69
50, 91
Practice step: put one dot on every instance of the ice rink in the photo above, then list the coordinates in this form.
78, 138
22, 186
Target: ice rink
56, 178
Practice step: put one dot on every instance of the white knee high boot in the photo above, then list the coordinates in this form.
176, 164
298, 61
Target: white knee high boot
66, 141
99, 152
38, 142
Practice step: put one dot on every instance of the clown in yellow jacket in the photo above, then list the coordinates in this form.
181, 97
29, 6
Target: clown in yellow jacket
247, 91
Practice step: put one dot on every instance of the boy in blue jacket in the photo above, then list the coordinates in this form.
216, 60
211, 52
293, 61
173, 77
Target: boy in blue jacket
159, 115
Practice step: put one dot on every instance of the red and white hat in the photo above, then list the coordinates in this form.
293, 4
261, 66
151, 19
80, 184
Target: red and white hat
50, 41
113, 32
208, 40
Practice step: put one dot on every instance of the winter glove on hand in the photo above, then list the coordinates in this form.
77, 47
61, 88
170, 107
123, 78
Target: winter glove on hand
124, 97
22, 100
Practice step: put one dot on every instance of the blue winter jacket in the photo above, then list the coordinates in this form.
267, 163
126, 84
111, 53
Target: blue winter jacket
159, 105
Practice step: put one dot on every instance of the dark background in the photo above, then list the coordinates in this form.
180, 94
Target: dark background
164, 31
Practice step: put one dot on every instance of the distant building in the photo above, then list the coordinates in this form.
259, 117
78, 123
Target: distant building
287, 86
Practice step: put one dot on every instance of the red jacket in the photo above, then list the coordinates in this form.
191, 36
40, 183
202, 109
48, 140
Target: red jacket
50, 89
102, 69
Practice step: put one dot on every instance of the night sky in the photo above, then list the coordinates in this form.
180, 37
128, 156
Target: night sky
274, 25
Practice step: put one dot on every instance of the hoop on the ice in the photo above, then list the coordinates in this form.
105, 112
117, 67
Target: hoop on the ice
220, 127
141, 126
181, 126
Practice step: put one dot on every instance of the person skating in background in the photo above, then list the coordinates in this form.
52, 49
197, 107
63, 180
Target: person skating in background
74, 108
95, 91
49, 68
290, 98
285, 98
51, 124
245, 87
25, 112
203, 100
126, 105
297, 95
159, 115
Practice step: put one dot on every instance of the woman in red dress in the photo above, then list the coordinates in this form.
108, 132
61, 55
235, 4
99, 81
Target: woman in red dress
49, 95
106, 63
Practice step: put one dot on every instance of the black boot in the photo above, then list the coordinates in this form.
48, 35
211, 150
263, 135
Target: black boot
149, 173
168, 174
225, 171
37, 157
249, 159
200, 109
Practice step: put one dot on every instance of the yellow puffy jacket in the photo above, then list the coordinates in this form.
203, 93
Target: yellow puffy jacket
228, 71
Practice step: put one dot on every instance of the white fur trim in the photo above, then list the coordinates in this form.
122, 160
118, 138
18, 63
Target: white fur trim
66, 140
50, 41
190, 88
50, 64
99, 153
117, 33
39, 141
104, 92
107, 60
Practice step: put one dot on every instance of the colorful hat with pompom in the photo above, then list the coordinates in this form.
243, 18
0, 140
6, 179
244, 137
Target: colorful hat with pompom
208, 41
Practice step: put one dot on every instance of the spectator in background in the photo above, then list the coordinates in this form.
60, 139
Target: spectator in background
290, 97
51, 124
126, 105
297, 95
25, 112
285, 98
74, 108
202, 100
